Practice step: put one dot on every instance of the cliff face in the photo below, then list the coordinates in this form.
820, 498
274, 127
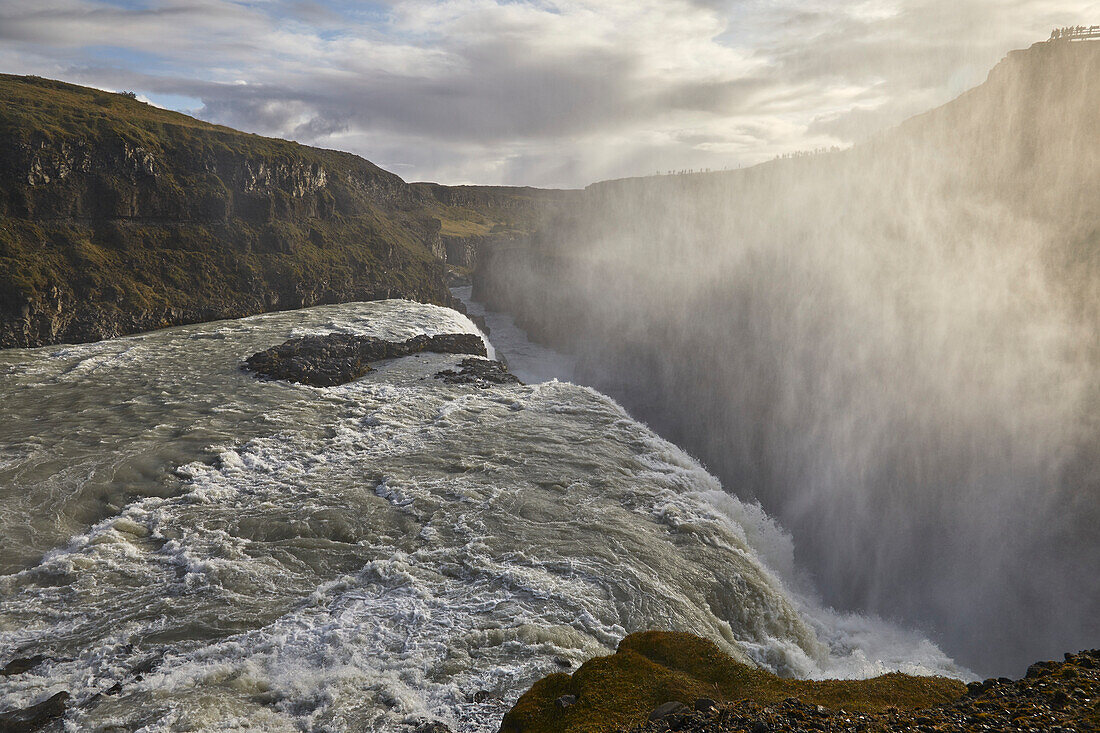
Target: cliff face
882, 344
117, 217
484, 218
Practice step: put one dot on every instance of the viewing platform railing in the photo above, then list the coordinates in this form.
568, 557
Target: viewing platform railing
1075, 33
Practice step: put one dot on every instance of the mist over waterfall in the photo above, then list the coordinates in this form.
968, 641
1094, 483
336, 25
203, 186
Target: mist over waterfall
368, 556
892, 348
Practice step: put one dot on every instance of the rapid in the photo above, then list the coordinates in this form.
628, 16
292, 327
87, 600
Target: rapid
204, 550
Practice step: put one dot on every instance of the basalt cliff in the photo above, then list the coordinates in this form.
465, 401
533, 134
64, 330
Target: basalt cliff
117, 217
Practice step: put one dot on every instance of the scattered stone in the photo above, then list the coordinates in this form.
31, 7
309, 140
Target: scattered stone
565, 701
479, 372
705, 704
25, 720
21, 665
666, 709
338, 358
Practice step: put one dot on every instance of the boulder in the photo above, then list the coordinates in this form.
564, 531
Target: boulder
34, 717
21, 665
666, 709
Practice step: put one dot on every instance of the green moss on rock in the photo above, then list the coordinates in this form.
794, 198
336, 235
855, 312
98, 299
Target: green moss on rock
655, 667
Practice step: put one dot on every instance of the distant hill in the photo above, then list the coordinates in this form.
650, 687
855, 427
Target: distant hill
117, 217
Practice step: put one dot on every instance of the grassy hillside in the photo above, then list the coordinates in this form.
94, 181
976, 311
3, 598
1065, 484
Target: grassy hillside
117, 216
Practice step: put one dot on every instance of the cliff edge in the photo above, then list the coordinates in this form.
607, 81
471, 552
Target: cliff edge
117, 217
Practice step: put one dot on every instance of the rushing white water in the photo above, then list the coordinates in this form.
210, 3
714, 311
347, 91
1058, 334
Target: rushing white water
256, 555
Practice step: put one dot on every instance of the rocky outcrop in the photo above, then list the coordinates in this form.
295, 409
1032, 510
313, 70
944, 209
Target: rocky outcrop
337, 358
663, 676
1054, 696
479, 373
466, 252
461, 251
515, 198
661, 681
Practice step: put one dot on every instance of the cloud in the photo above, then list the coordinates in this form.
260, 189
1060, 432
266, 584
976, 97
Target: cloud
542, 92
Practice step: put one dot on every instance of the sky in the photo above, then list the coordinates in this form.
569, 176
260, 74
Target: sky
552, 93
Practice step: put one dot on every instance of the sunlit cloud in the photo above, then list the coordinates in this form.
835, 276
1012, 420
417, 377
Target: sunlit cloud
543, 92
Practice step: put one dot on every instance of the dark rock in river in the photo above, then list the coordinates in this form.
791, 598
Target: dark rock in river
479, 372
433, 727
481, 696
34, 717
337, 358
21, 665
146, 665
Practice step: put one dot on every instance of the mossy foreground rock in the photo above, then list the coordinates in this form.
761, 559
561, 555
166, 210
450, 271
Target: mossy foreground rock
1054, 696
656, 667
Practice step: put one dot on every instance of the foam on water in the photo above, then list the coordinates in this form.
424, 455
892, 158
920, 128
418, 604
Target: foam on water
392, 550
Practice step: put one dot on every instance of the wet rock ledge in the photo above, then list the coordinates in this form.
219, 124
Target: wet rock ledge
479, 373
661, 681
337, 358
